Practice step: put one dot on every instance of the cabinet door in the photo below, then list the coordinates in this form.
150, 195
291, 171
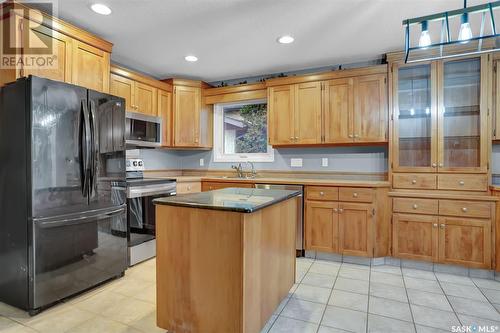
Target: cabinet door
338, 108
187, 103
414, 118
90, 67
370, 108
125, 88
465, 242
355, 229
146, 99
307, 113
62, 52
281, 115
165, 112
462, 115
211, 186
322, 226
415, 237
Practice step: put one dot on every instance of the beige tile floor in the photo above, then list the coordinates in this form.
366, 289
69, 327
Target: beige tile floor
329, 297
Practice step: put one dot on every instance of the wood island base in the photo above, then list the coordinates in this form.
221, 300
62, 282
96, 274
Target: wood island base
223, 271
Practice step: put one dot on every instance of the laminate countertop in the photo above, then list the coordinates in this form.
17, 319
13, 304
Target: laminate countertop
242, 200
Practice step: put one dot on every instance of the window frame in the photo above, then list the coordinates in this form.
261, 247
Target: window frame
219, 155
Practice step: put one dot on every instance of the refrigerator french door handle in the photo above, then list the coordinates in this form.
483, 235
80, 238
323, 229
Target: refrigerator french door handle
86, 161
80, 219
94, 134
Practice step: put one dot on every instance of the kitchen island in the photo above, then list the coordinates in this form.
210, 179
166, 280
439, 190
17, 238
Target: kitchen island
225, 258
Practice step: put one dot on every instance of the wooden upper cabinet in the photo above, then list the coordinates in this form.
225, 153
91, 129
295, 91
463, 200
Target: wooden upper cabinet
76, 56
187, 108
62, 53
370, 108
465, 242
338, 101
281, 117
307, 113
441, 116
355, 229
123, 87
146, 99
165, 112
463, 115
90, 67
322, 226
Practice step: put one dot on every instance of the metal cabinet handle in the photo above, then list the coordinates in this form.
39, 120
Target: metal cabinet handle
356, 135
335, 210
435, 225
341, 210
415, 206
291, 138
189, 188
464, 209
442, 225
350, 135
462, 183
414, 181
296, 138
434, 165
441, 165
321, 193
355, 195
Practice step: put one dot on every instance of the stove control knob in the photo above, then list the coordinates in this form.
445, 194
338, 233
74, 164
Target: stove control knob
140, 163
135, 163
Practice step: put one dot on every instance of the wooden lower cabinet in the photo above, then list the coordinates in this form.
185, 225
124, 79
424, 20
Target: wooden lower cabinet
465, 241
210, 186
322, 226
355, 229
415, 237
339, 227
443, 239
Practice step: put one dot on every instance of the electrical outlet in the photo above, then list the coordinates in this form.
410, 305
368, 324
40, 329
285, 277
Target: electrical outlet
324, 162
296, 162
202, 162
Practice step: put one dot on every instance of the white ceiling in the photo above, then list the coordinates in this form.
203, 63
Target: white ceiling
237, 38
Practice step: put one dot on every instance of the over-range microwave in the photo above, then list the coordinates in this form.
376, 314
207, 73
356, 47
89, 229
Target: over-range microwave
142, 130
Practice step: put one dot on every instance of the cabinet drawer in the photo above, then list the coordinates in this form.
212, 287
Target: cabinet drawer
356, 194
463, 182
322, 193
417, 206
465, 208
418, 181
188, 187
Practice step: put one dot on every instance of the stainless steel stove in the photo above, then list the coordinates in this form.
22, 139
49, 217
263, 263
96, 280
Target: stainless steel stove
141, 219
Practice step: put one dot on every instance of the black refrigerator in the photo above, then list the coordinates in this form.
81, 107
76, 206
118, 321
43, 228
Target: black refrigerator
62, 191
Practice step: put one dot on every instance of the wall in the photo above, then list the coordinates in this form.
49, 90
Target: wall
341, 159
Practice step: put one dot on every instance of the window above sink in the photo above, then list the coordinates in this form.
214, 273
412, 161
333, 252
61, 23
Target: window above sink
240, 132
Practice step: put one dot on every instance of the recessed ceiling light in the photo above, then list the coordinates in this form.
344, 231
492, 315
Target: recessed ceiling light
191, 58
100, 8
286, 39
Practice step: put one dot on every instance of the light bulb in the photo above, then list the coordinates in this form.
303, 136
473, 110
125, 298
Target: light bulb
412, 112
425, 37
427, 110
465, 32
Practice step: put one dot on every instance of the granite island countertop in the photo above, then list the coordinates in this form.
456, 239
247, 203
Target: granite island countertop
242, 200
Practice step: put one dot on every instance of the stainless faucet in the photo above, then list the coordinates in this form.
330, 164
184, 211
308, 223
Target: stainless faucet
253, 172
239, 169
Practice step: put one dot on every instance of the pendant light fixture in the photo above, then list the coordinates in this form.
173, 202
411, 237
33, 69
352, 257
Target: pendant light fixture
425, 38
444, 46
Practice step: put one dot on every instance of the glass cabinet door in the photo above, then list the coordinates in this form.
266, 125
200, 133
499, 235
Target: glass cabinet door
462, 122
414, 119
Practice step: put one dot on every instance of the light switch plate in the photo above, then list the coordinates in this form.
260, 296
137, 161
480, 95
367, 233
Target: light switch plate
296, 162
324, 162
202, 162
